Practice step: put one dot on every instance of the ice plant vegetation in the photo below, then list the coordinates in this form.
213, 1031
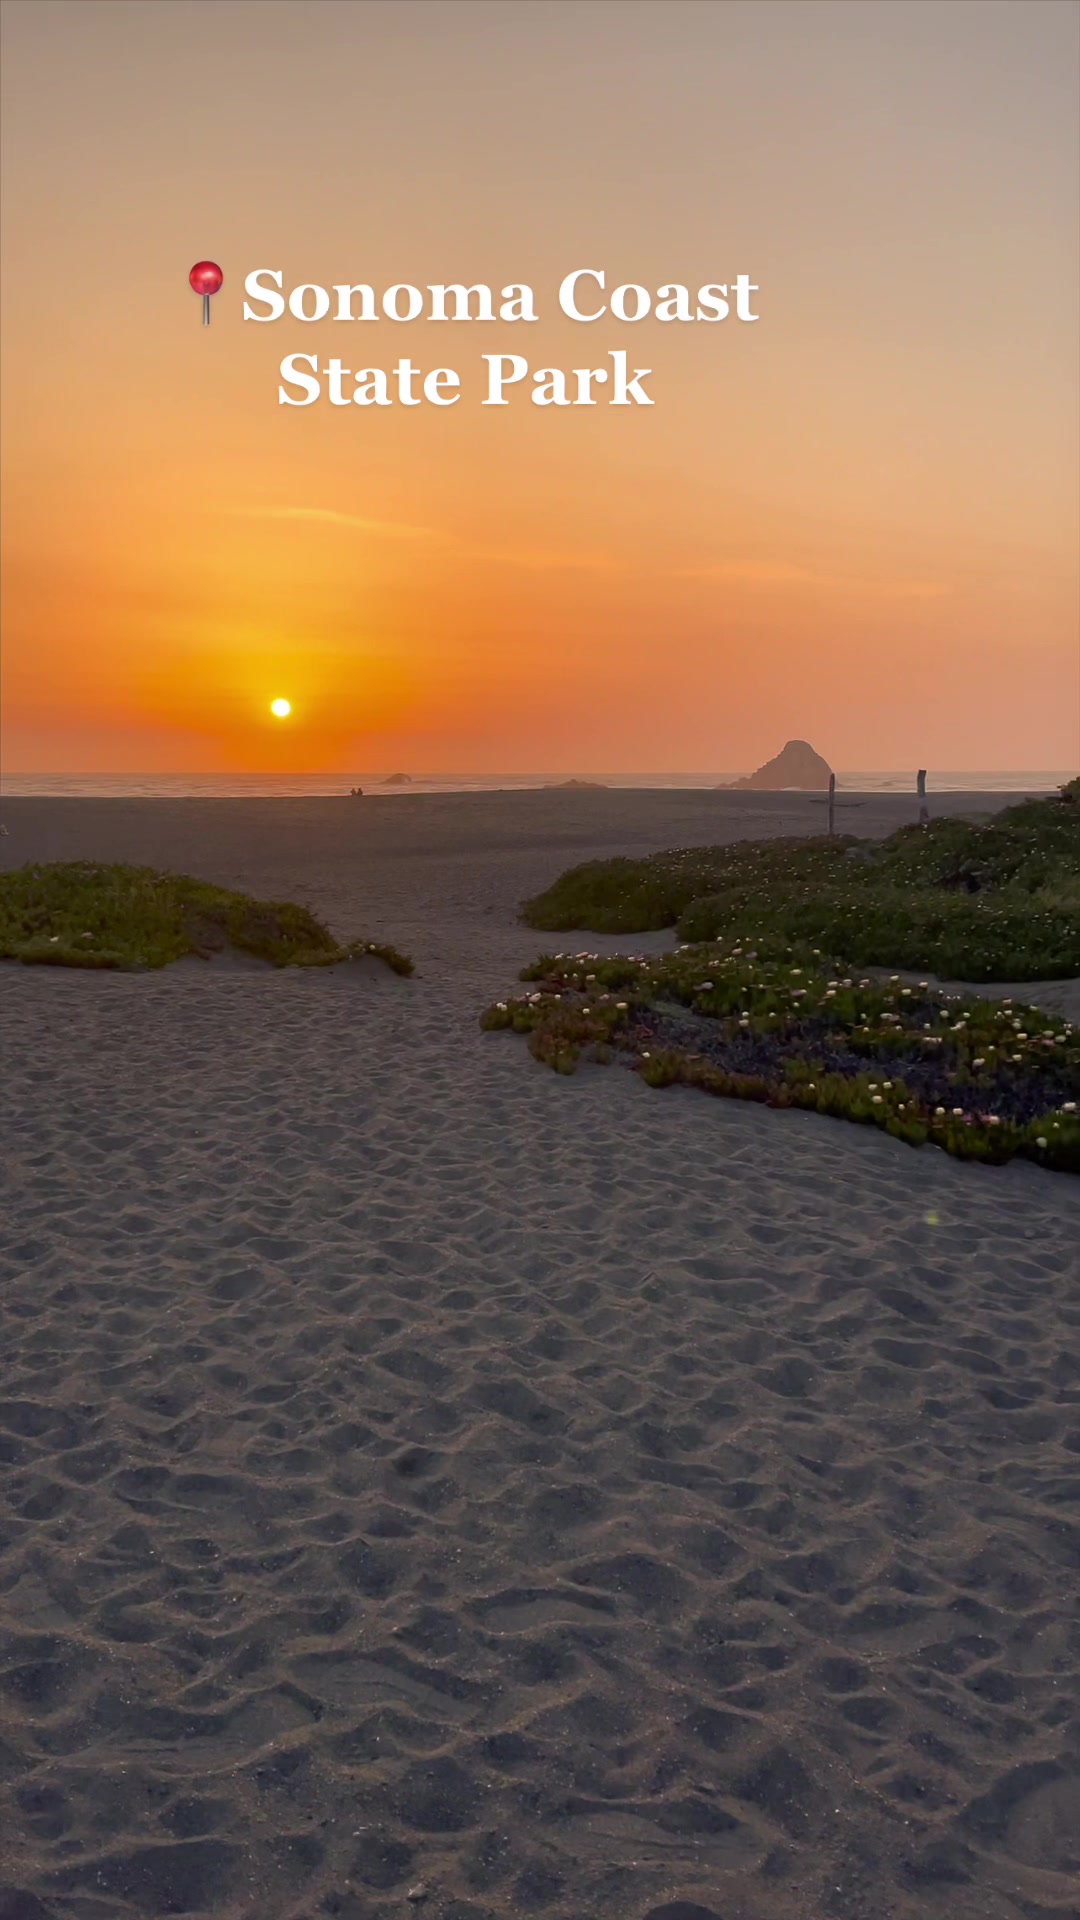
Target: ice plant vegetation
983, 1079
81, 914
993, 900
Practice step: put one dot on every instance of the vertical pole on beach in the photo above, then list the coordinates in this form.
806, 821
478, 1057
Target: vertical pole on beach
832, 800
920, 784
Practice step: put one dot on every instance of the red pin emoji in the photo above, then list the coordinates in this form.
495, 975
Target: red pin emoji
206, 277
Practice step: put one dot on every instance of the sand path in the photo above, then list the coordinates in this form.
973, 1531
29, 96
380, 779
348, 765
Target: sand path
422, 1472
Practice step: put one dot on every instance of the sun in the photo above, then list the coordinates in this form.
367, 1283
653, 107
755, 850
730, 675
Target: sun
281, 709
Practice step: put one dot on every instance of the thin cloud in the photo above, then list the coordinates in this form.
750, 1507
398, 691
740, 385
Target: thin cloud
783, 573
753, 572
396, 529
331, 517
542, 562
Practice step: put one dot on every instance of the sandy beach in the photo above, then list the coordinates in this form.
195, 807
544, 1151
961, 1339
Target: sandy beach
434, 1487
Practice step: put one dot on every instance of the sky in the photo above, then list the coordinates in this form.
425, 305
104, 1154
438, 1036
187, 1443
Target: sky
854, 521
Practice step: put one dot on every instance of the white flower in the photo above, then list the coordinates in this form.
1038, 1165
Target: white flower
877, 1101
1041, 1141
958, 1112
980, 1062
1068, 1106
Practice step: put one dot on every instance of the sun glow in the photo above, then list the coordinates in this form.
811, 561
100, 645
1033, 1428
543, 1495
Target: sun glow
281, 709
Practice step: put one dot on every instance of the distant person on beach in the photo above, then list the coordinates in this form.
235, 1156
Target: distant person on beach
924, 811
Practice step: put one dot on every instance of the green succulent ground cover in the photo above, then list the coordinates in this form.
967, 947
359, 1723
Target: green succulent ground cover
766, 999
983, 1079
82, 914
998, 900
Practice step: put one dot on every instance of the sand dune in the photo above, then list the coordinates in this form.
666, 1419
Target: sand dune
434, 1487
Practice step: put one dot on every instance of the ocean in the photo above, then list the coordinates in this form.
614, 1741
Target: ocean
233, 786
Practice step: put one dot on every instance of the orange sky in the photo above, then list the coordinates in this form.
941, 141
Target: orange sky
855, 521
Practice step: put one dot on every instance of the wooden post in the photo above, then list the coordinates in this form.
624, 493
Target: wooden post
920, 783
832, 800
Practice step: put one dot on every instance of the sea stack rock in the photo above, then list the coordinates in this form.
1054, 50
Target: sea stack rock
797, 766
398, 780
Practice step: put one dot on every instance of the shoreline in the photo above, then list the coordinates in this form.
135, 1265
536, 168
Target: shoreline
65, 787
788, 801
